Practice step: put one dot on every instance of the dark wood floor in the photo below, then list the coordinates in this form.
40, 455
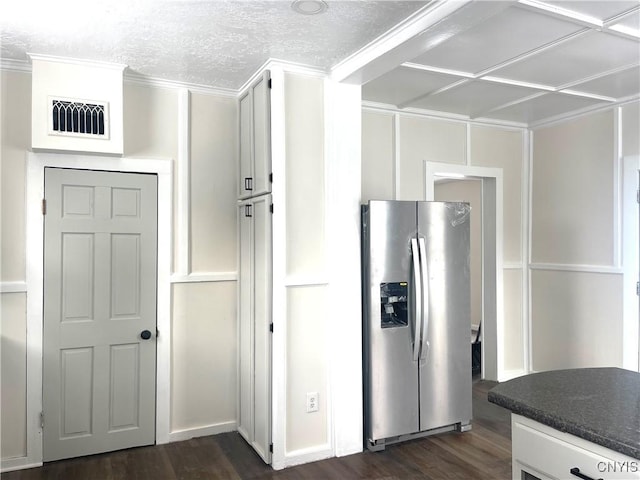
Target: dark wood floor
482, 453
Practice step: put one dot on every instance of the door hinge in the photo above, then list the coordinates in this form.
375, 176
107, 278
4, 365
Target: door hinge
271, 178
44, 206
271, 327
41, 419
269, 83
157, 333
271, 208
638, 288
271, 447
247, 210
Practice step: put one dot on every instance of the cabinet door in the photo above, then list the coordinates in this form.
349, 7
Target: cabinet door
255, 139
245, 321
246, 142
254, 330
261, 93
262, 323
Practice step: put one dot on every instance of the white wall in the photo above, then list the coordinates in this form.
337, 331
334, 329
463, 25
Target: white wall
576, 279
395, 146
630, 127
65, 79
575, 290
316, 258
203, 314
15, 123
14, 374
307, 301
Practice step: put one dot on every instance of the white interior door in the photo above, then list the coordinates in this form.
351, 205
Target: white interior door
99, 311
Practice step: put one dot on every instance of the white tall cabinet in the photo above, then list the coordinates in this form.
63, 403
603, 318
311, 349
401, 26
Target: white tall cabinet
255, 138
287, 277
255, 269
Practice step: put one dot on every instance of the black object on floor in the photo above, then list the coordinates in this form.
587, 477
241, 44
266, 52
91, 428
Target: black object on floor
476, 354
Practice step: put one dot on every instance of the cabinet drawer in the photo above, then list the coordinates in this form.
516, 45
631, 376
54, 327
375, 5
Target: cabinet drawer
554, 454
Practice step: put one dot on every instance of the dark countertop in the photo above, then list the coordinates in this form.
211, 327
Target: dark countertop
601, 405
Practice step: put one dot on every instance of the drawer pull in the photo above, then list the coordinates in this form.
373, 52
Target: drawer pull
576, 471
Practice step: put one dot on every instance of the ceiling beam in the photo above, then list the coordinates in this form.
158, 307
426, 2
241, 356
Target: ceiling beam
421, 32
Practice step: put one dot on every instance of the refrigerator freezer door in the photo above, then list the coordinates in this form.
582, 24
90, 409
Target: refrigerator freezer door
445, 365
391, 374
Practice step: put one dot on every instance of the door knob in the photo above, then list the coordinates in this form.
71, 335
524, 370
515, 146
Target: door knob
145, 334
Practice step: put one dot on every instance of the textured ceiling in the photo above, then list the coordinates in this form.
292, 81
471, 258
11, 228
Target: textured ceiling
209, 42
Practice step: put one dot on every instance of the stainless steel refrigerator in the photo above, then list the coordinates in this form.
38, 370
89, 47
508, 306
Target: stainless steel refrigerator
416, 319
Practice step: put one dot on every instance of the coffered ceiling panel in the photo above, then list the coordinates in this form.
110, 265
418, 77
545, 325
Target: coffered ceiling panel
619, 85
534, 61
502, 37
403, 84
473, 98
602, 10
543, 107
581, 57
629, 23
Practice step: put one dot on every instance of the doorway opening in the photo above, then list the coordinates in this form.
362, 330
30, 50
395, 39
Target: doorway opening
485, 184
469, 190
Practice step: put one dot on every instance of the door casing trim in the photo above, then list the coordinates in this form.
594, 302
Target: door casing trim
36, 163
492, 259
630, 263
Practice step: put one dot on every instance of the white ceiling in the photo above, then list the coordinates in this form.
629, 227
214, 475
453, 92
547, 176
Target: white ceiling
219, 43
530, 62
522, 62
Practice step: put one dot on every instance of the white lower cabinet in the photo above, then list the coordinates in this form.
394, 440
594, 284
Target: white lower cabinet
541, 452
254, 331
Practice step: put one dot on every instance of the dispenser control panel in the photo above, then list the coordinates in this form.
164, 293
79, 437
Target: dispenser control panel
393, 304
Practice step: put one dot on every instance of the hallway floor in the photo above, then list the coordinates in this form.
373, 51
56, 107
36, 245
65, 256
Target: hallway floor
482, 453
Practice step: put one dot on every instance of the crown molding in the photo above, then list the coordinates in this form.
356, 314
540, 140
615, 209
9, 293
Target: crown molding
290, 67
134, 78
78, 61
17, 66
148, 81
25, 66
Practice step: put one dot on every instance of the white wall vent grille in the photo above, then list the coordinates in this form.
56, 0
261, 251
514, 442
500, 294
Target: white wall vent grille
78, 118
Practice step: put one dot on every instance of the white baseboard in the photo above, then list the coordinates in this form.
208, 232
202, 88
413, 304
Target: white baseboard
18, 463
506, 375
189, 433
304, 455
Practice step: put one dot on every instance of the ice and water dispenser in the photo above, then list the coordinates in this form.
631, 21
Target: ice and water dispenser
394, 310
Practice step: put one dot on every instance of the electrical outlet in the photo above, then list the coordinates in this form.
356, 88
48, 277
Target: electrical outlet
312, 402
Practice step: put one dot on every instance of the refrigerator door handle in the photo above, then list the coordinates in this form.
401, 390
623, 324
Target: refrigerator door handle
417, 286
425, 299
